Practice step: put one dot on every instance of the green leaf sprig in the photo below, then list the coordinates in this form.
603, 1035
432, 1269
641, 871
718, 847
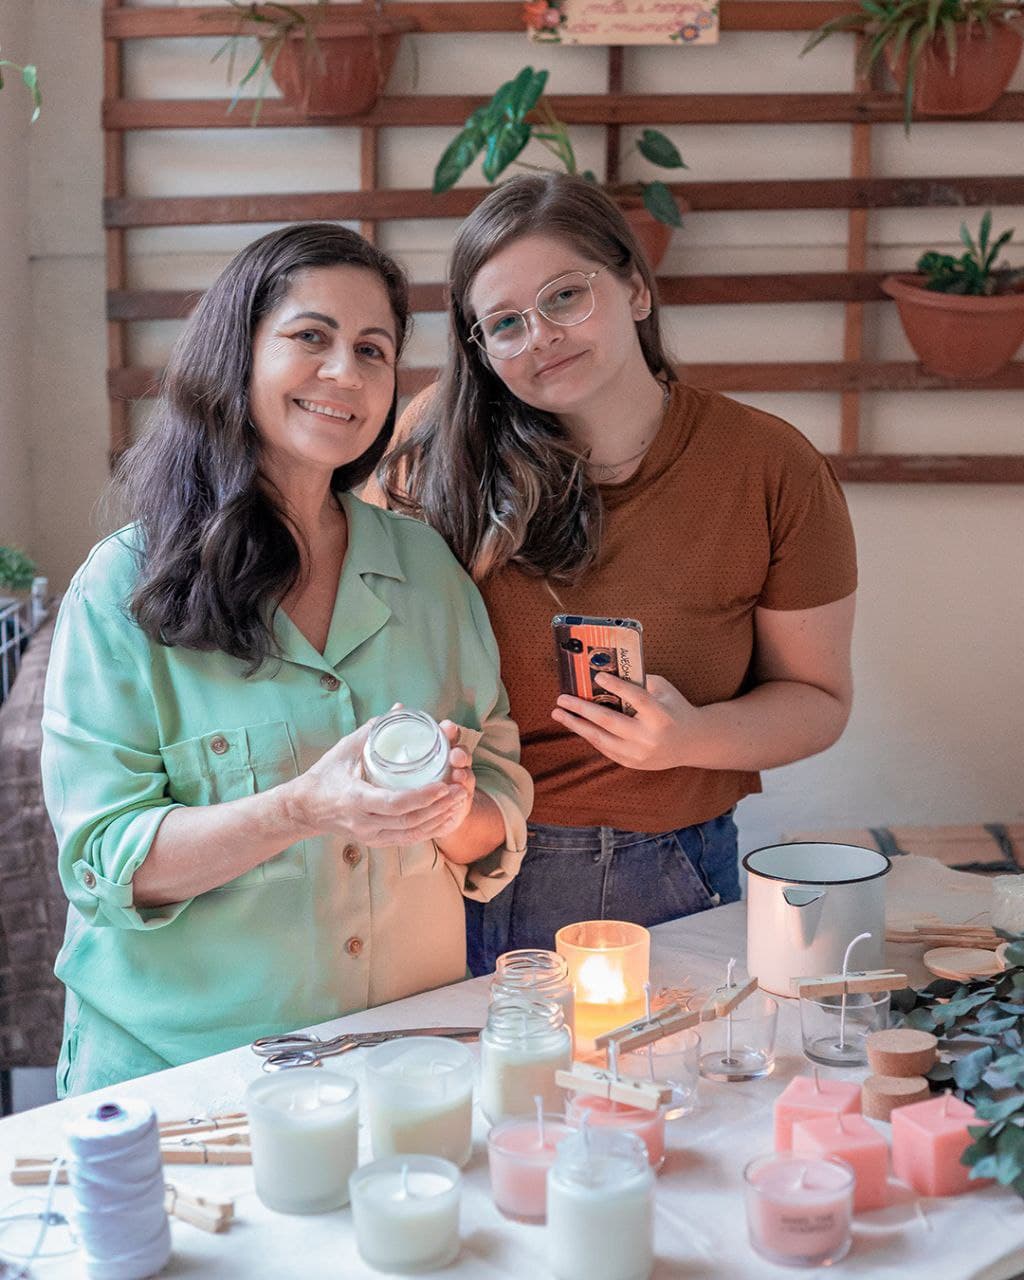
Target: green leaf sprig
30, 78
278, 21
975, 272
517, 113
16, 570
986, 1018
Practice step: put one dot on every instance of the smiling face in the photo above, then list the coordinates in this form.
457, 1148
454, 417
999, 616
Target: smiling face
323, 370
563, 369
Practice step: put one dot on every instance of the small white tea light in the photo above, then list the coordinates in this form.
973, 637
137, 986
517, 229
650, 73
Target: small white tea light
405, 749
406, 1213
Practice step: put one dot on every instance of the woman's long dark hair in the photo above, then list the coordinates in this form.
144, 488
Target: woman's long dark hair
498, 478
217, 553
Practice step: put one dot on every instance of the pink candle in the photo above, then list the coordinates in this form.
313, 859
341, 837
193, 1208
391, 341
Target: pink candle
649, 1126
808, 1098
519, 1159
928, 1139
855, 1140
799, 1209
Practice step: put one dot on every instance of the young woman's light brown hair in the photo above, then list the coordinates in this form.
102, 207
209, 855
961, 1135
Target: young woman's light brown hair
512, 487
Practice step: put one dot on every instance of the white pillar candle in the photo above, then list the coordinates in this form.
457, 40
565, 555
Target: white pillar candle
405, 749
524, 1043
303, 1124
406, 1213
601, 1208
419, 1098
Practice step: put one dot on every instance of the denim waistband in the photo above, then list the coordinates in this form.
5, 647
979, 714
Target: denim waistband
587, 838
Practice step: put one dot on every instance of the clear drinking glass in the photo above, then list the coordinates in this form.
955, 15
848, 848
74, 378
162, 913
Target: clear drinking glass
673, 1061
741, 1046
834, 1028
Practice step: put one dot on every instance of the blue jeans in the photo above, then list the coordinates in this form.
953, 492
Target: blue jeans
598, 873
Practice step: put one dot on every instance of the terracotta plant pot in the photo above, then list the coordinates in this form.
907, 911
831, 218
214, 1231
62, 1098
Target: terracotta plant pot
984, 65
348, 73
956, 336
652, 236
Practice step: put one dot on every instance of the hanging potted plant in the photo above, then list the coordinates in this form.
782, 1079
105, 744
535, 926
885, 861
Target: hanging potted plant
329, 63
949, 57
518, 113
963, 316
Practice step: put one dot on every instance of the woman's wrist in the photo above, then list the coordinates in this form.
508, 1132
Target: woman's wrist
292, 809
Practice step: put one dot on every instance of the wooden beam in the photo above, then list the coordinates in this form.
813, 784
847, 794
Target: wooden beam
411, 111
758, 195
500, 15
910, 468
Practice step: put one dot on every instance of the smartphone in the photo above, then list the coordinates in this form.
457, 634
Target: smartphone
586, 647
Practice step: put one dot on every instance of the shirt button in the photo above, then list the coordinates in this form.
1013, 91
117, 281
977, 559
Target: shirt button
352, 855
354, 946
89, 879
330, 683
218, 745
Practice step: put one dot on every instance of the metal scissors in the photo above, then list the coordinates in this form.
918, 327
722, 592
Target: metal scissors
299, 1049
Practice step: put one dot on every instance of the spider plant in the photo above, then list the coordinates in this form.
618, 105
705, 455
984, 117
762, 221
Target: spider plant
30, 78
278, 22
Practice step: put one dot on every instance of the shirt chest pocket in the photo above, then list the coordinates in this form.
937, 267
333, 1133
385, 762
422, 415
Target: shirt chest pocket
231, 764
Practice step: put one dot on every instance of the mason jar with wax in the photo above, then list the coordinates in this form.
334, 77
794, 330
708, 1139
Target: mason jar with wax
405, 749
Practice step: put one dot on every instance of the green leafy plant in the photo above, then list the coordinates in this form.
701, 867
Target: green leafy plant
974, 272
895, 27
16, 570
985, 1019
518, 113
30, 77
277, 23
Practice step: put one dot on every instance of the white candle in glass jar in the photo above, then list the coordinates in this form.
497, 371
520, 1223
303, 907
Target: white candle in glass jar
419, 1098
601, 1208
406, 1213
304, 1125
405, 749
524, 1043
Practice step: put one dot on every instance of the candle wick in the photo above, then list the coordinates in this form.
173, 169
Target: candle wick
404, 1183
613, 1059
647, 1014
729, 971
817, 1080
842, 1003
538, 1102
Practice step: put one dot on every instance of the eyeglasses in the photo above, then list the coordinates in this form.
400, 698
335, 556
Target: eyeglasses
566, 301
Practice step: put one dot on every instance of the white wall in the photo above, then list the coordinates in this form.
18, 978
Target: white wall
936, 735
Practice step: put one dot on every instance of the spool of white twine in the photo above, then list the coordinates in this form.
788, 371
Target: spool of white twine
116, 1173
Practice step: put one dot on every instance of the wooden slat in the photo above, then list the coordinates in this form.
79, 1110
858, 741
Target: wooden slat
410, 111
811, 286
757, 195
497, 15
878, 468
138, 383
856, 260
118, 424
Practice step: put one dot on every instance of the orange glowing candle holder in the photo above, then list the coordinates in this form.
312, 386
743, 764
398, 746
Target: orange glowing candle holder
609, 962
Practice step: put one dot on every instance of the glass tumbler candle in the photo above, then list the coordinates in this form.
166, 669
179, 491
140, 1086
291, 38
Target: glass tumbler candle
405, 1210
535, 973
620, 1117
405, 749
609, 962
799, 1209
741, 1045
522, 1046
673, 1062
834, 1028
419, 1098
520, 1151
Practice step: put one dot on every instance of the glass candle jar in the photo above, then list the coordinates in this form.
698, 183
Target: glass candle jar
520, 1152
524, 1043
535, 973
1008, 903
419, 1098
620, 1117
673, 1062
609, 962
741, 1046
405, 1210
601, 1208
799, 1209
835, 1028
405, 749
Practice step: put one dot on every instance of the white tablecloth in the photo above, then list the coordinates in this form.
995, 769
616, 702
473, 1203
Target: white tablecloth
700, 1223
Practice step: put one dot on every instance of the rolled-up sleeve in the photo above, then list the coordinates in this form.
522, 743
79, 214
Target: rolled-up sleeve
103, 774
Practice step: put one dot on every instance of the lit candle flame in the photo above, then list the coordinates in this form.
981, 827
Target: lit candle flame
601, 982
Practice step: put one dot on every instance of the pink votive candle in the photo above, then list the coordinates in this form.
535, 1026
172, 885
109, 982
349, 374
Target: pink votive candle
649, 1126
520, 1157
855, 1140
808, 1098
799, 1209
928, 1139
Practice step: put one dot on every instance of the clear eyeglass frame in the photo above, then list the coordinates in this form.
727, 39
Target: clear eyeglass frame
476, 333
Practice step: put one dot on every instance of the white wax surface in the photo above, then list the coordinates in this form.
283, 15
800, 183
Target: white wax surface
603, 1231
406, 1228
512, 1076
403, 742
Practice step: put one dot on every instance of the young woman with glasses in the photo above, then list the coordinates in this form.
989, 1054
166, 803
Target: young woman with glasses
572, 472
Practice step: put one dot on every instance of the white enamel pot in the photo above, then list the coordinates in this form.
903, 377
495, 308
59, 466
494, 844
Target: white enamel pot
805, 905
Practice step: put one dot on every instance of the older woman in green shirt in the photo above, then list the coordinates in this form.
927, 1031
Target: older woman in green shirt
215, 666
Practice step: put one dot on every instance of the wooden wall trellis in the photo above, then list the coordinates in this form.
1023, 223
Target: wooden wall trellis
862, 107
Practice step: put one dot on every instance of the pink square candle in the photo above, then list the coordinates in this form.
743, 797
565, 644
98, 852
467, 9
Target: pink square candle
808, 1098
928, 1139
855, 1140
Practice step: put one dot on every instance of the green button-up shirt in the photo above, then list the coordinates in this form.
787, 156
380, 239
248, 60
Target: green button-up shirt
133, 728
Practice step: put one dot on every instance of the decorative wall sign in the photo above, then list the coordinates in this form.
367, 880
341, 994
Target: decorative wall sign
621, 22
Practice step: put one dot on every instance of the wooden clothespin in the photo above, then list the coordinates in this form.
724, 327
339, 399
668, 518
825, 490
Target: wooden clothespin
723, 1000
201, 1211
863, 981
225, 1148
637, 1035
603, 1084
203, 1124
34, 1171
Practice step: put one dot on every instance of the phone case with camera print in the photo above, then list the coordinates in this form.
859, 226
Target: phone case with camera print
588, 646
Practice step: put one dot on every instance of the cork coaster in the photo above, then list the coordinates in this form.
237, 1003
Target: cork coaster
881, 1095
961, 963
901, 1052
